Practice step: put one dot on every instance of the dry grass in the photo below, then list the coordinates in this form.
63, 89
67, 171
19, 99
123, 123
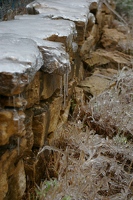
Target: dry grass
87, 166
112, 110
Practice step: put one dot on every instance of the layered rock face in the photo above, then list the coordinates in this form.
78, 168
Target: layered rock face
41, 61
107, 50
39, 67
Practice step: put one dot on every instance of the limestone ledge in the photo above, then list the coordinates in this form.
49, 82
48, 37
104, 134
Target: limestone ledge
20, 59
35, 27
67, 11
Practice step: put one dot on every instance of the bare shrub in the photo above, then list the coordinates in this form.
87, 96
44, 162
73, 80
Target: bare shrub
88, 166
112, 110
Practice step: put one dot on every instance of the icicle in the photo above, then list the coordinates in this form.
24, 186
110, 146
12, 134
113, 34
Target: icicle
18, 123
19, 96
64, 90
15, 115
67, 83
25, 80
9, 101
18, 145
20, 101
65, 86
17, 119
61, 85
14, 103
15, 82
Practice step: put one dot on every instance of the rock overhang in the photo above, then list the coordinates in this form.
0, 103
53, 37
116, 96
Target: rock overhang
76, 11
20, 59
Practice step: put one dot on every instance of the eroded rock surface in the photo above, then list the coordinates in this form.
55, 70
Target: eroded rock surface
98, 82
111, 38
9, 125
103, 57
40, 124
115, 49
17, 182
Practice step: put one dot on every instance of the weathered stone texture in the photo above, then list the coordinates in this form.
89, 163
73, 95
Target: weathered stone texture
6, 169
16, 101
3, 185
40, 124
79, 96
90, 43
29, 136
55, 108
104, 15
102, 57
49, 84
32, 91
100, 80
17, 183
11, 123
111, 38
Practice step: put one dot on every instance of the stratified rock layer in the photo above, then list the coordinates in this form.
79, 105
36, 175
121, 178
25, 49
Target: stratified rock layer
103, 57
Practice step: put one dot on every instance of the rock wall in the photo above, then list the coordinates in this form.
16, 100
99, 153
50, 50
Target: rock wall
39, 68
